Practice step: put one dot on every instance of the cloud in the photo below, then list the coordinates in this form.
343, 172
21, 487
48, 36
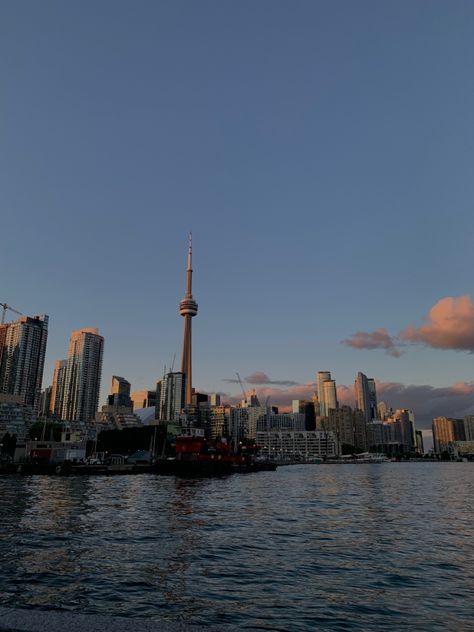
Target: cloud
449, 325
378, 339
426, 401
259, 377
281, 397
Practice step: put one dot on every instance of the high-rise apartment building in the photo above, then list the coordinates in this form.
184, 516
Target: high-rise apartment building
44, 404
366, 396
445, 431
321, 377
330, 395
172, 396
214, 399
469, 427
219, 421
57, 393
120, 393
144, 399
307, 408
83, 375
22, 353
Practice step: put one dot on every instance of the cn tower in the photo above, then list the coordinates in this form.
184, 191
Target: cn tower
188, 308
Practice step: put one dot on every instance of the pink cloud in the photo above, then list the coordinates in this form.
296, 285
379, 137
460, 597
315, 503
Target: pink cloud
378, 339
426, 401
281, 397
259, 377
449, 325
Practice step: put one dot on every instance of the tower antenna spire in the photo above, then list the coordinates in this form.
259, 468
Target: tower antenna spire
188, 308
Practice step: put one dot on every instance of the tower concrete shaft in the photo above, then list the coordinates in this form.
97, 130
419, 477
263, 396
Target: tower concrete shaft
188, 308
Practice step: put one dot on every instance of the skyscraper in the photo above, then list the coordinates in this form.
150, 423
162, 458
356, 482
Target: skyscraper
330, 395
321, 377
119, 393
83, 374
188, 308
172, 395
22, 352
366, 396
57, 394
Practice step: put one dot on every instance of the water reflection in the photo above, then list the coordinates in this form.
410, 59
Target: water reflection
328, 546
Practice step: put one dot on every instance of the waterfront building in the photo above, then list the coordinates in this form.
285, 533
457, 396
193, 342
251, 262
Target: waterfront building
3, 335
118, 417
296, 445
172, 396
460, 449
16, 418
459, 430
443, 434
330, 395
403, 429
281, 421
188, 308
306, 407
83, 375
22, 353
219, 421
321, 377
383, 411
118, 412
45, 402
341, 422
361, 437
469, 427
366, 396
238, 426
419, 442
144, 398
120, 393
214, 399
199, 398
57, 392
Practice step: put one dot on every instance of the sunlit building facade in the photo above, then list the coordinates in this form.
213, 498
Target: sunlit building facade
22, 353
83, 375
57, 393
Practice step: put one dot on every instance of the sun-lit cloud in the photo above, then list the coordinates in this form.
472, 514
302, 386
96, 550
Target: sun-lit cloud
259, 378
281, 397
428, 401
449, 325
378, 339
425, 400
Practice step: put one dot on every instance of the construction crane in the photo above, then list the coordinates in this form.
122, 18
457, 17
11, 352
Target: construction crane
10, 308
242, 387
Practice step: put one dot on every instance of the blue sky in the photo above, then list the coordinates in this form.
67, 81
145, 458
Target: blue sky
321, 153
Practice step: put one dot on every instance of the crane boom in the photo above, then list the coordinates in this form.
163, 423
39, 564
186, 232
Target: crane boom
5, 306
242, 387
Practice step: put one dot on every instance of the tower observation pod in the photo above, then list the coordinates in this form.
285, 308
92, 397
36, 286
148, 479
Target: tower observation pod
188, 308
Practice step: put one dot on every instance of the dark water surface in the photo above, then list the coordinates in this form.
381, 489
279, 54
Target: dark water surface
353, 547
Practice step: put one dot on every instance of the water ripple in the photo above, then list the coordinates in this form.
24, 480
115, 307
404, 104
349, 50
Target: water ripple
307, 547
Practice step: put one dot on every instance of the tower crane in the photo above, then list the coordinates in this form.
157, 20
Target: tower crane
5, 306
242, 387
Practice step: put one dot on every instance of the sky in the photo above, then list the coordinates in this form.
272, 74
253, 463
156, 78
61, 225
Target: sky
320, 152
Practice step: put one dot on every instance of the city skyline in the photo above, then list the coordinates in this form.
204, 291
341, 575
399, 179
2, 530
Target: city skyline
322, 211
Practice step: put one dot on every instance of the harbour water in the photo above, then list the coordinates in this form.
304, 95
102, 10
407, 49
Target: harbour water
352, 547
